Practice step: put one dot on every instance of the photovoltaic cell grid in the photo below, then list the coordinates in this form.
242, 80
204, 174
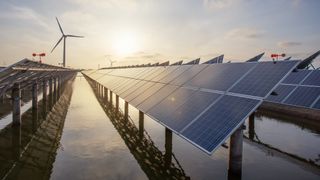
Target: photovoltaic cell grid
300, 88
282, 92
178, 99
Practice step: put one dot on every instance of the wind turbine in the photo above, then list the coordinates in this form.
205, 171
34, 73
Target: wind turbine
109, 59
64, 37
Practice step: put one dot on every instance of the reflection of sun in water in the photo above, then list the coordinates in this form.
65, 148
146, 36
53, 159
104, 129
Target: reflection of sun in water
125, 43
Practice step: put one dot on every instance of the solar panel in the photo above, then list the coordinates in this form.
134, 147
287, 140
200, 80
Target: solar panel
317, 105
134, 86
188, 74
210, 77
137, 90
166, 71
263, 78
171, 76
303, 96
313, 78
179, 116
282, 91
296, 77
149, 102
146, 93
183, 103
213, 127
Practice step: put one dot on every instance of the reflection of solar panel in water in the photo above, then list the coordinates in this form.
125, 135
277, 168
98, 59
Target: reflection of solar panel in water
210, 77
296, 77
213, 127
313, 78
303, 96
263, 78
282, 91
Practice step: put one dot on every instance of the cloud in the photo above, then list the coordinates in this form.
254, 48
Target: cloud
24, 13
248, 33
287, 44
217, 4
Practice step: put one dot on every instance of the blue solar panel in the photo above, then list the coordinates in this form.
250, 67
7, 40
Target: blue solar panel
220, 76
178, 116
317, 105
296, 77
173, 75
146, 93
137, 90
158, 96
188, 74
263, 78
303, 96
282, 91
213, 127
167, 70
132, 88
313, 78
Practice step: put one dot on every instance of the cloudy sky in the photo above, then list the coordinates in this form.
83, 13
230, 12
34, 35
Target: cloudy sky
141, 31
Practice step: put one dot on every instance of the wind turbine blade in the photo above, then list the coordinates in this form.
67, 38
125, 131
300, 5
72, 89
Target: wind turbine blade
75, 36
57, 44
59, 26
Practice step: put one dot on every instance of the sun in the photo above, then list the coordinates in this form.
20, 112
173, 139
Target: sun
125, 43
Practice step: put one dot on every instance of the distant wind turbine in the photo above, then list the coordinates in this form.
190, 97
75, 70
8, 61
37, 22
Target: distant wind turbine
109, 59
64, 37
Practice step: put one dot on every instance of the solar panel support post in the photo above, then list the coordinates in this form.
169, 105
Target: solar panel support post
111, 97
59, 86
44, 96
106, 94
235, 154
54, 89
16, 105
117, 102
126, 109
50, 93
141, 124
34, 101
168, 147
251, 126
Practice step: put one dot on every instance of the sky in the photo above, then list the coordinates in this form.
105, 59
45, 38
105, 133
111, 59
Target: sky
148, 31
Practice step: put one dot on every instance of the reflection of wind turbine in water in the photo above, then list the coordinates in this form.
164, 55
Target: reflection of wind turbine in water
64, 37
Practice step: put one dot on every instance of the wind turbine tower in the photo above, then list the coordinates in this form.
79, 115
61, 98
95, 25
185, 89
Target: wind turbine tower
64, 37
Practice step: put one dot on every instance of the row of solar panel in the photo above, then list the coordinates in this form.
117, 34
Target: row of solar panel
178, 107
251, 79
304, 77
192, 100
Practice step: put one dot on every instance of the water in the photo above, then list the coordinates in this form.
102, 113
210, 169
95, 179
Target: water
89, 140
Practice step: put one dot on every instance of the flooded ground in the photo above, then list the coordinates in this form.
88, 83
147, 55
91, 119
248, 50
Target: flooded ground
87, 139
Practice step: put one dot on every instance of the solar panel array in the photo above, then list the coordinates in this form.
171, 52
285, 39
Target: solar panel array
215, 60
301, 88
26, 71
202, 103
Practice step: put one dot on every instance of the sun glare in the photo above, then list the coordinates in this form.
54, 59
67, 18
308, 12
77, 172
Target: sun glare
125, 43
